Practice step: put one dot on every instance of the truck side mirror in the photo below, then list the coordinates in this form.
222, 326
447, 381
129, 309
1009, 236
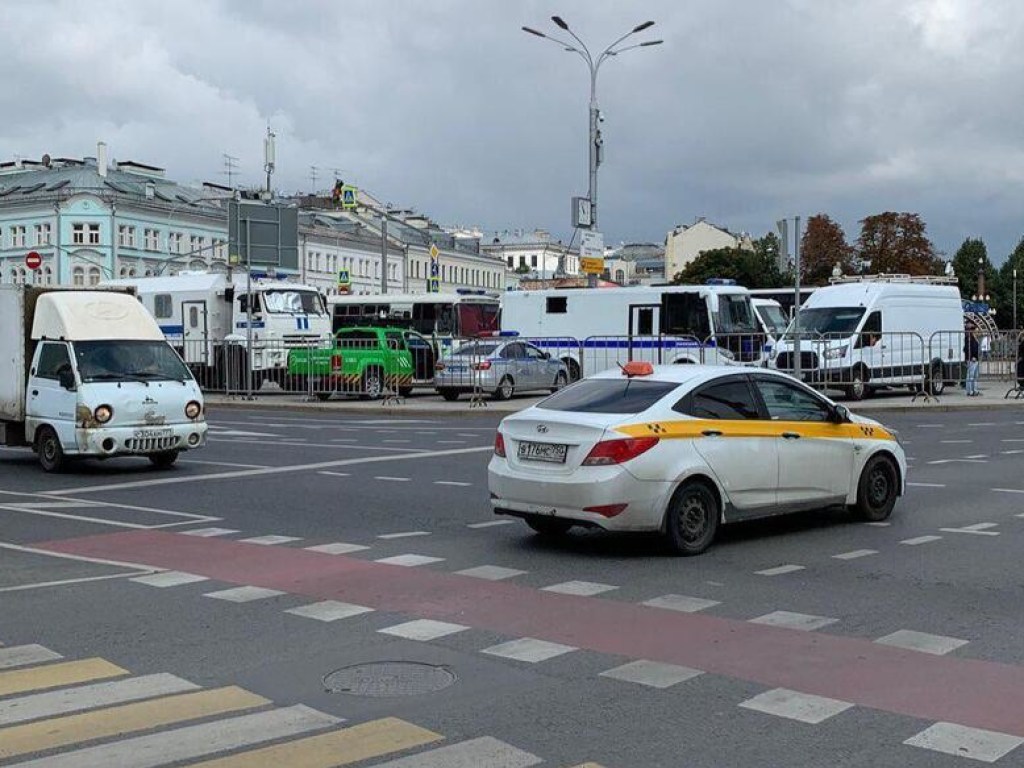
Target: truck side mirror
66, 378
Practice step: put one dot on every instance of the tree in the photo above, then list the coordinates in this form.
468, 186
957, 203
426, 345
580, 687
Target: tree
971, 255
1002, 290
751, 268
822, 247
895, 243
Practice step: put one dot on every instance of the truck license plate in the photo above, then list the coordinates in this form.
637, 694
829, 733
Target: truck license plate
142, 434
550, 452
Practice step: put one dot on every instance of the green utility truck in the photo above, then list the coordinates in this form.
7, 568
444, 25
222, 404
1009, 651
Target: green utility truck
363, 361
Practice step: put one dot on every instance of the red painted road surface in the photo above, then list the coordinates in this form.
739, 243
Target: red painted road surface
981, 694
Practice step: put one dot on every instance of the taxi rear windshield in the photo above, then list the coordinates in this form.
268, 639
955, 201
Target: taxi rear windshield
608, 396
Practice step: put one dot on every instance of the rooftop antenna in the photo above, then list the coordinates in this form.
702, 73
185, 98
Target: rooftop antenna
312, 177
269, 156
230, 168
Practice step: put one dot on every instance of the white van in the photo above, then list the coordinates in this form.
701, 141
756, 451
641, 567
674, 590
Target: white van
88, 373
772, 319
861, 334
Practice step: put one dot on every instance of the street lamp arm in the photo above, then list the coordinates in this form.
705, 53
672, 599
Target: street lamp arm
586, 51
645, 44
564, 43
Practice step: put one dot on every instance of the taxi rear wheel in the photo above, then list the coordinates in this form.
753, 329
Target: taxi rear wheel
549, 526
877, 490
692, 519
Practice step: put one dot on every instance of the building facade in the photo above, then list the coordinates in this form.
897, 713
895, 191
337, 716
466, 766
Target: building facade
686, 242
533, 254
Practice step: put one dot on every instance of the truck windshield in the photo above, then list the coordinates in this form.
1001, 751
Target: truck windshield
129, 360
835, 320
734, 314
287, 301
773, 317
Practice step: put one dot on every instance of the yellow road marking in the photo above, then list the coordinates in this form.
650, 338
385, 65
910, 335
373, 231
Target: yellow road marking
342, 747
54, 675
115, 721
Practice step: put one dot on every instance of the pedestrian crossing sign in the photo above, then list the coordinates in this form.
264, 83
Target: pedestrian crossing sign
433, 285
343, 278
348, 196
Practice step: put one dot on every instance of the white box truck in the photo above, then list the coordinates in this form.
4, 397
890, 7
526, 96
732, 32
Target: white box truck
88, 373
861, 334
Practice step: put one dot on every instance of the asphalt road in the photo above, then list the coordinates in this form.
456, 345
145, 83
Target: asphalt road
762, 652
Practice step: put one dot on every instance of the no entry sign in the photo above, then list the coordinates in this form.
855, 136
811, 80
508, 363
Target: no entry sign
33, 260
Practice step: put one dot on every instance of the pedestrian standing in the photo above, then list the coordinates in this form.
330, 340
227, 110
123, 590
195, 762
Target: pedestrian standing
986, 347
972, 352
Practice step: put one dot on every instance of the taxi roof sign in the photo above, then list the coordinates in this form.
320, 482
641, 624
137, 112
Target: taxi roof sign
637, 368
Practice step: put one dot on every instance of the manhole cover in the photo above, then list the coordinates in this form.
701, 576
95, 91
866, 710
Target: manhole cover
389, 678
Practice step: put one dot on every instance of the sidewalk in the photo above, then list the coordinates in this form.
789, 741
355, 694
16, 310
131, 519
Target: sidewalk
427, 404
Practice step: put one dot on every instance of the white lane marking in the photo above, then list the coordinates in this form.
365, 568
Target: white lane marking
528, 649
484, 752
1012, 440
930, 426
22, 655
1008, 490
453, 483
490, 572
406, 442
216, 431
983, 424
391, 479
79, 558
181, 744
979, 529
958, 461
927, 485
337, 548
335, 474
879, 525
579, 588
207, 533
683, 603
59, 504
653, 674
409, 561
803, 622
243, 594
466, 434
169, 579
1011, 453
270, 540
963, 741
403, 535
977, 456
329, 610
24, 708
779, 570
82, 518
423, 629
75, 502
66, 582
920, 540
796, 706
491, 524
343, 440
955, 442
936, 645
284, 470
222, 464
854, 554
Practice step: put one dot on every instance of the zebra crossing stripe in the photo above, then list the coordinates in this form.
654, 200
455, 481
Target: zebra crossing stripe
55, 675
485, 752
127, 718
337, 748
192, 741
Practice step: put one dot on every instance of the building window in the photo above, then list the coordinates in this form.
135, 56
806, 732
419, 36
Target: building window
533, 260
94, 234
175, 242
18, 237
78, 234
152, 240
195, 244
522, 261
163, 306
42, 234
126, 236
47, 275
220, 249
78, 277
94, 275
511, 261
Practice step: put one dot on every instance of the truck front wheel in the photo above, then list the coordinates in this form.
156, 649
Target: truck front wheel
164, 459
51, 453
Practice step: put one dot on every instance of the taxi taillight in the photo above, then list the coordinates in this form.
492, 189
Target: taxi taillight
619, 451
499, 445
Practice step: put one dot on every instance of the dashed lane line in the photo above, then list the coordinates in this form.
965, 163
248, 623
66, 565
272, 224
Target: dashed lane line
1007, 490
288, 469
453, 483
926, 485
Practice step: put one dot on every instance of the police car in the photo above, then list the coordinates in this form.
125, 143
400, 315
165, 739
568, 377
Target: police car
683, 449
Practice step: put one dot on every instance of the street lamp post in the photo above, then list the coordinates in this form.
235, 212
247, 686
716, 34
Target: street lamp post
1015, 298
595, 142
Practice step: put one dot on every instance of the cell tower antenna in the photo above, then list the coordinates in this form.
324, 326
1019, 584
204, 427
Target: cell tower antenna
312, 177
230, 168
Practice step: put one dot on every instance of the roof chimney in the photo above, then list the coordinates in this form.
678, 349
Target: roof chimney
101, 158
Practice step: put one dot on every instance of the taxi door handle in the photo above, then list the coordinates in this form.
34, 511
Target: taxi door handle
791, 435
711, 433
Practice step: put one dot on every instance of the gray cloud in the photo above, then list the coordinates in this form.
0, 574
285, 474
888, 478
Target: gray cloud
749, 112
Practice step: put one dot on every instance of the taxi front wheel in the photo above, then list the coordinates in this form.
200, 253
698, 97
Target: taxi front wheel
877, 490
692, 518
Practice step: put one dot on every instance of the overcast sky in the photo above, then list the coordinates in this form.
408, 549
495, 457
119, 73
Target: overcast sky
751, 110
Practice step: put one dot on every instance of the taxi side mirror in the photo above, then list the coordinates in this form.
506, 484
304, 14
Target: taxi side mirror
840, 414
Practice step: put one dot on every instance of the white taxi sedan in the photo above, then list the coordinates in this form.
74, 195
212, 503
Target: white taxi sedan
682, 449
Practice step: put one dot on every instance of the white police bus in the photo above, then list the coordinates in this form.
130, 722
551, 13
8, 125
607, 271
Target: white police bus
439, 316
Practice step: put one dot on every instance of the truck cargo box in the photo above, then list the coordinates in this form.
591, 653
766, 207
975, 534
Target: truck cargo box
13, 348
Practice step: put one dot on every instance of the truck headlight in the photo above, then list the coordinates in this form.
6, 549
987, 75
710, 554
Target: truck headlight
103, 413
837, 352
193, 409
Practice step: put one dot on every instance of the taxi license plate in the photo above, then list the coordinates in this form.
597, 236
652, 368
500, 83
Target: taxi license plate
142, 434
549, 452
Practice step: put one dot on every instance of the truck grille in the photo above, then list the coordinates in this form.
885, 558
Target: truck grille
808, 360
150, 444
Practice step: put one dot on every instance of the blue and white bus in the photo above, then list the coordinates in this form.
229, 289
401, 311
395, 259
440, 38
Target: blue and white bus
593, 329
